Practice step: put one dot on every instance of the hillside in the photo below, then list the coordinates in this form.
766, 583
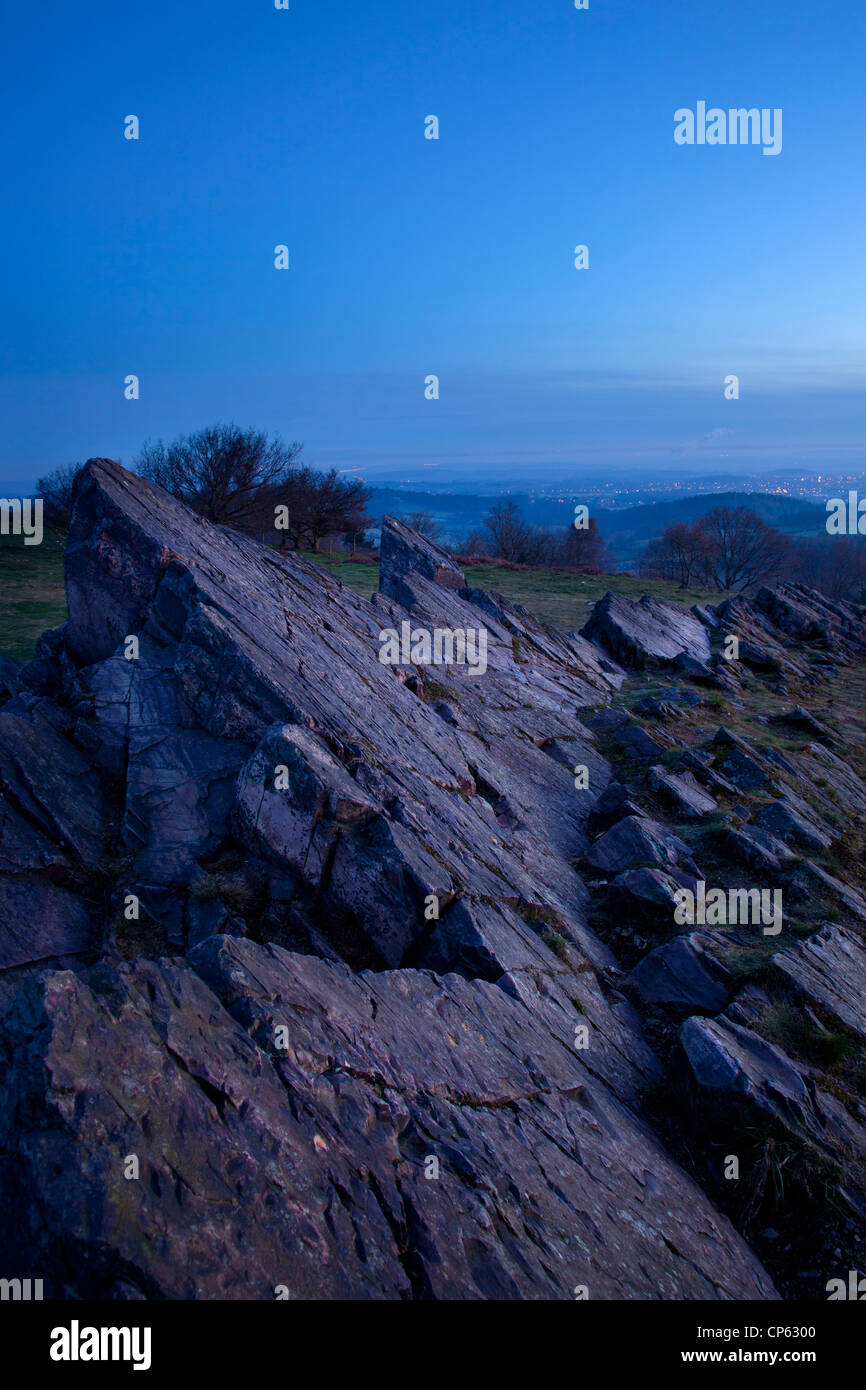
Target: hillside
628, 531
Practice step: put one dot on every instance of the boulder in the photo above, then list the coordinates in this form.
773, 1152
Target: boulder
829, 971
645, 889
405, 554
759, 658
792, 825
743, 1077
811, 883
682, 793
737, 762
635, 742
756, 849
647, 633
614, 803
802, 722
806, 615
681, 976
658, 709
637, 841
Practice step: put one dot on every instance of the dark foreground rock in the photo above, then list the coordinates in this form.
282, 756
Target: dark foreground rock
305, 987
395, 1135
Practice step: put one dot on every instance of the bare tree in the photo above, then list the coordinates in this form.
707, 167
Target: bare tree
509, 537
745, 550
471, 546
333, 504
729, 548
424, 523
682, 554
512, 538
56, 491
222, 471
834, 564
581, 549
314, 505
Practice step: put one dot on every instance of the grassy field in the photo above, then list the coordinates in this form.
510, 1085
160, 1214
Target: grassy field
32, 597
556, 597
565, 599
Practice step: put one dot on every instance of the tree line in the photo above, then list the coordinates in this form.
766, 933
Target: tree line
507, 535
729, 548
732, 548
243, 479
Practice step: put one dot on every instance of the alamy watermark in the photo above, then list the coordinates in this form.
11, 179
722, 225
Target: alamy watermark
846, 518
736, 126
77, 1343
853, 1291
439, 646
20, 1290
22, 517
734, 907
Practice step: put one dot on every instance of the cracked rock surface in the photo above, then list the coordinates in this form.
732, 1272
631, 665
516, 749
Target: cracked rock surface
312, 937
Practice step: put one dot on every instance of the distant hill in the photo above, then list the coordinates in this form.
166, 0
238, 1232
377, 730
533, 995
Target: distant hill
458, 513
628, 531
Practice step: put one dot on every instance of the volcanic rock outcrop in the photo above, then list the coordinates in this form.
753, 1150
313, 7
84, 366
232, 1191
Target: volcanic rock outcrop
307, 989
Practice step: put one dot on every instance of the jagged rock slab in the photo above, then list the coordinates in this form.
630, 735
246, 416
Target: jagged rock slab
615, 803
756, 849
634, 742
681, 975
649, 632
638, 841
682, 794
738, 763
53, 829
237, 639
298, 1158
257, 770
830, 970
812, 882
645, 889
405, 555
257, 726
761, 647
833, 780
739, 1073
659, 709
806, 615
802, 722
794, 824
50, 788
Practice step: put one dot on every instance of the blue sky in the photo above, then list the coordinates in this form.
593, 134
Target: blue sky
452, 257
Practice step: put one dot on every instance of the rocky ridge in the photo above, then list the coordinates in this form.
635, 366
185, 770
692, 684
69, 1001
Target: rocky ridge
374, 968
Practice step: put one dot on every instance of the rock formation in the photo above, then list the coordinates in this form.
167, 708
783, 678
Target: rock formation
359, 979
